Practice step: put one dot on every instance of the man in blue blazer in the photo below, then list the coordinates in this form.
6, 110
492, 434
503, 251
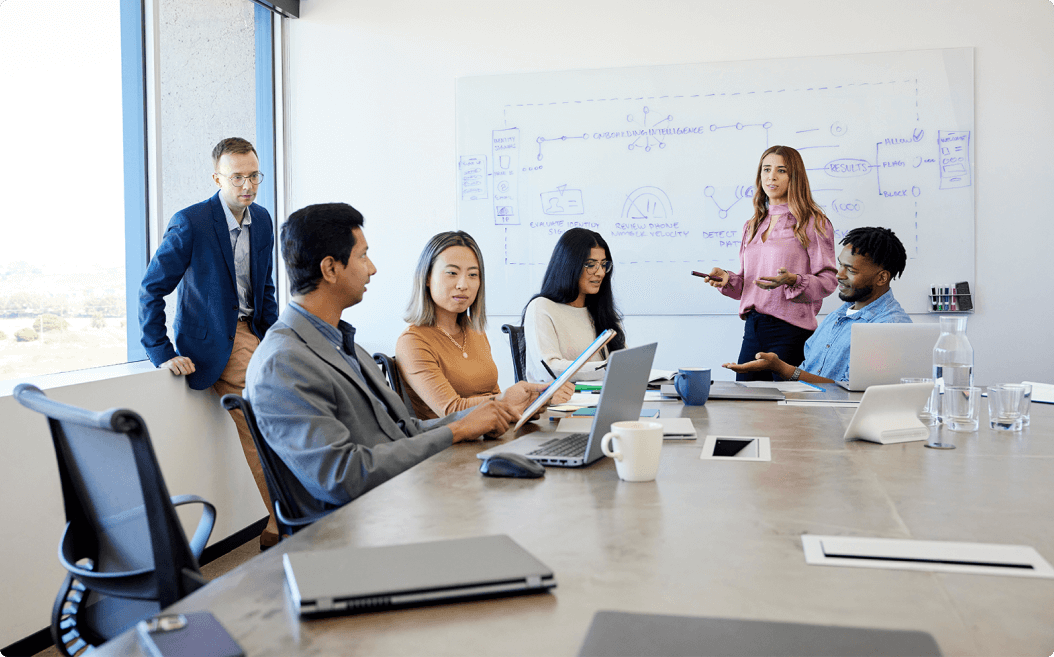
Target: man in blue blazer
220, 254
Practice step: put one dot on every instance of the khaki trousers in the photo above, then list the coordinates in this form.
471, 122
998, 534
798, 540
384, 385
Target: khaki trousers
232, 381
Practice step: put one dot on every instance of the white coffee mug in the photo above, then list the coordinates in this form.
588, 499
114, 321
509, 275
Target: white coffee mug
636, 449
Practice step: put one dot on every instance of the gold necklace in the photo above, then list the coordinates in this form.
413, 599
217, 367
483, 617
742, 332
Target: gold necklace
462, 348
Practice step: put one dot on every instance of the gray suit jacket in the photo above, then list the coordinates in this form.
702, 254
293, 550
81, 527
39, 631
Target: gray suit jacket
336, 439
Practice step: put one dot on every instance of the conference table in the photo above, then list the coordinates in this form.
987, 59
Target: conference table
707, 538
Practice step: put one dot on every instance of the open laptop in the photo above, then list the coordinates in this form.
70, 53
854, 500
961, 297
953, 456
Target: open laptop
621, 399
350, 580
881, 354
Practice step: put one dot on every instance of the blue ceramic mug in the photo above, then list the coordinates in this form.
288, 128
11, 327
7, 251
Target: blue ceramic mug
693, 385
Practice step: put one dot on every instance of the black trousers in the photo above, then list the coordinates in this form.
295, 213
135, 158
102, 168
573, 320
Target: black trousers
767, 333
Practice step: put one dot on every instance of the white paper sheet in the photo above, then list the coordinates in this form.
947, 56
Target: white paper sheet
1042, 392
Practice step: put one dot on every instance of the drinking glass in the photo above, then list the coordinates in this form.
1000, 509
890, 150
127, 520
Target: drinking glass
959, 407
1004, 406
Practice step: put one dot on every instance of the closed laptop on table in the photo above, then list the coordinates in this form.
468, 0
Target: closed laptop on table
352, 580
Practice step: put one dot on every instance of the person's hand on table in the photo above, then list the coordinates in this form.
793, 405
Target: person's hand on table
180, 365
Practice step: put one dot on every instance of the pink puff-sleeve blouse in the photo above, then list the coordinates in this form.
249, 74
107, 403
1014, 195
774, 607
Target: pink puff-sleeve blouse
815, 266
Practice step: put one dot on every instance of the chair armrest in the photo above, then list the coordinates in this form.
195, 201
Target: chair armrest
208, 519
298, 522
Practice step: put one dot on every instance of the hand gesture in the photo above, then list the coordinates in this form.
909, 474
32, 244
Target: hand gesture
773, 282
765, 360
718, 277
179, 365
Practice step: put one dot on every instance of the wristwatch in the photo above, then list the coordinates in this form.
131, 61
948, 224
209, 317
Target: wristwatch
797, 373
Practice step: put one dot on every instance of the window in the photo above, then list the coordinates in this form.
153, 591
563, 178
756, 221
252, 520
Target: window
62, 256
78, 144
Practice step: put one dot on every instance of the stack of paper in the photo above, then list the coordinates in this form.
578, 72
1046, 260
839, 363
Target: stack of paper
1042, 392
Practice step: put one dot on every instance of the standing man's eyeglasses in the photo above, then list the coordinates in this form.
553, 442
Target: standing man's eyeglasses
238, 179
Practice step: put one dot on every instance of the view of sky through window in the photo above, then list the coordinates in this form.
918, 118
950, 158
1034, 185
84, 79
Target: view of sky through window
62, 280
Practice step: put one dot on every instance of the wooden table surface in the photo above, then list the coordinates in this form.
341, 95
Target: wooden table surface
707, 538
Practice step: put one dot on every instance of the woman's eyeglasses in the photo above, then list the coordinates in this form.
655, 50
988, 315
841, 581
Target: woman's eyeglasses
591, 265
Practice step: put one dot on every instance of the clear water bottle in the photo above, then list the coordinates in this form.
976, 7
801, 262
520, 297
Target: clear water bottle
953, 355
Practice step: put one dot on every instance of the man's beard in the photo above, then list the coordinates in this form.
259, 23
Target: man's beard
858, 294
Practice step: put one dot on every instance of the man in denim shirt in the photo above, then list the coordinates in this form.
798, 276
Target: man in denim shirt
870, 260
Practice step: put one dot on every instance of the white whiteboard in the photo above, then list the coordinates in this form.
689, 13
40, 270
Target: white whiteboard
661, 161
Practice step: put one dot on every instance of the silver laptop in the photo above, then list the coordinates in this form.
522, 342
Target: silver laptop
352, 580
621, 398
881, 354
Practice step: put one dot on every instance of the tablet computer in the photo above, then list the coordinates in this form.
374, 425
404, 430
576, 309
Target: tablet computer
565, 376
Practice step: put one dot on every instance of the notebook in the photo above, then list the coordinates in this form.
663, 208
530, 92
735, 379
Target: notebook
673, 428
881, 354
351, 580
732, 390
621, 398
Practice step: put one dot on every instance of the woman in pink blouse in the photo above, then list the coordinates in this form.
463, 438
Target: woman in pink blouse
787, 263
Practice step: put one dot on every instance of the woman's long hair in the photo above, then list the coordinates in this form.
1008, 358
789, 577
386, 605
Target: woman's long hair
799, 198
560, 283
422, 309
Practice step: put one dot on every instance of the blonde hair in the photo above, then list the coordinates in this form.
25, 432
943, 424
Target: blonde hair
421, 310
799, 197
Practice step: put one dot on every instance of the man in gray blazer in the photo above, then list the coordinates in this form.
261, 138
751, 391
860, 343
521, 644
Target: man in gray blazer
319, 398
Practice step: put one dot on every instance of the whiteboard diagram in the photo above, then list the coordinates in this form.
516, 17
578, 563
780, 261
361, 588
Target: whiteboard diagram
662, 160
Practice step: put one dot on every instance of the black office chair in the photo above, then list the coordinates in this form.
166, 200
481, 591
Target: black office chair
395, 382
124, 547
289, 515
519, 350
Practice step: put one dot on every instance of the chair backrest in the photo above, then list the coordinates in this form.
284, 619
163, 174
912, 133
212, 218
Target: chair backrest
289, 515
395, 382
124, 546
519, 350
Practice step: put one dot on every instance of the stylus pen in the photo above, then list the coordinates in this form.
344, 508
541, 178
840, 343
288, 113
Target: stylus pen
549, 370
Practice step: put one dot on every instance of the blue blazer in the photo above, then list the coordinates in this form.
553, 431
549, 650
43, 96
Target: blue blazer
196, 255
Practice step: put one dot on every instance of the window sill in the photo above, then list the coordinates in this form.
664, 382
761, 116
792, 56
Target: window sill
76, 377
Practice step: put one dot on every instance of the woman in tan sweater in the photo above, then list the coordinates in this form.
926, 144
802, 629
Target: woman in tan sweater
444, 356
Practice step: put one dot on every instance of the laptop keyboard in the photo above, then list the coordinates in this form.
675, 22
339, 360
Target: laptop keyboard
570, 445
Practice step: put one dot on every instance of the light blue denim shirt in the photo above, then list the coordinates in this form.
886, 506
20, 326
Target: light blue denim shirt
827, 351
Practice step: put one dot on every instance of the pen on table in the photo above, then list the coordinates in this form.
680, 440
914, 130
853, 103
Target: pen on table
549, 370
